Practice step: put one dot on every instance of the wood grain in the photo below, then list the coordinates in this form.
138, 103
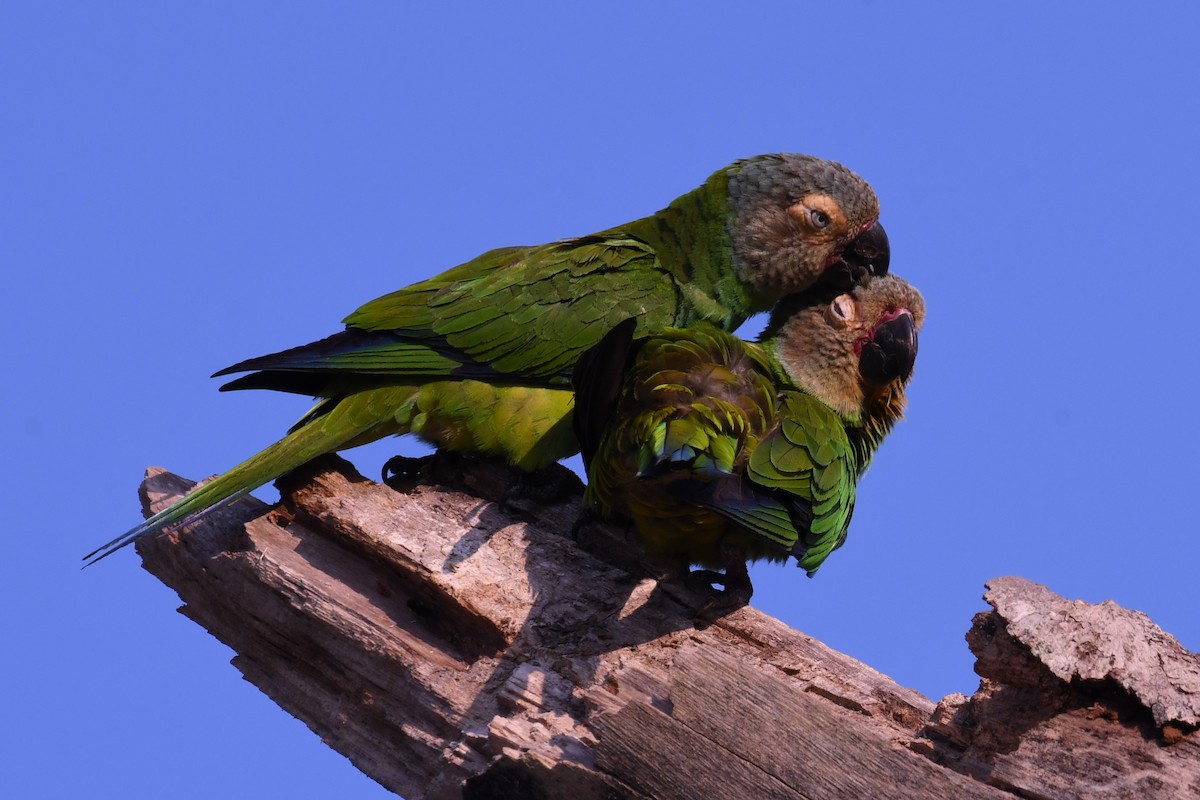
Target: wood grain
453, 640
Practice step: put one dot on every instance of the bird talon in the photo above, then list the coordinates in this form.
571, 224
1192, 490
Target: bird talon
400, 470
736, 582
703, 579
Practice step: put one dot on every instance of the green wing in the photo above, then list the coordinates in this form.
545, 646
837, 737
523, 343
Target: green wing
699, 421
799, 485
531, 312
523, 314
682, 400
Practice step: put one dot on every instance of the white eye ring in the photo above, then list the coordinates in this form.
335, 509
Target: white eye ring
820, 219
842, 308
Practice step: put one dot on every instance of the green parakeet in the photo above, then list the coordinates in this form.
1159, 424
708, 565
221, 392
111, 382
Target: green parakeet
721, 450
478, 358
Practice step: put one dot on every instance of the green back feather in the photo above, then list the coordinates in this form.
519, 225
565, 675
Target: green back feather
707, 424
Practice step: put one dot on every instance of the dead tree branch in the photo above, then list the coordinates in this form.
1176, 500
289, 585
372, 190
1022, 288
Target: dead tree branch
451, 645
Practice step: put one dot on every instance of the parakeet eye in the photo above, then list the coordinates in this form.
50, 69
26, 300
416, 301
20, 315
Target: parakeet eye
818, 214
841, 310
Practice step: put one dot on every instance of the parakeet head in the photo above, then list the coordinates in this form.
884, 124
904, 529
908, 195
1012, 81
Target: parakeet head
799, 220
853, 351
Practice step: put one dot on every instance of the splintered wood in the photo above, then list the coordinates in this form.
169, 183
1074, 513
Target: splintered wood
454, 645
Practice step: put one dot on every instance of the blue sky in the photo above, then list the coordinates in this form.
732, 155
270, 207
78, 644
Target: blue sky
186, 185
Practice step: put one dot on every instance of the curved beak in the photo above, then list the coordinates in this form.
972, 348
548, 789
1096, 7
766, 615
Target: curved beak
865, 256
869, 254
891, 351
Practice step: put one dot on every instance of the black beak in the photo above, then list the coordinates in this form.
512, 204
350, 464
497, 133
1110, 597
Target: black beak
891, 352
869, 254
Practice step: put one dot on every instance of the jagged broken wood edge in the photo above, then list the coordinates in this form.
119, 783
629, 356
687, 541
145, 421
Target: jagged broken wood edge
450, 647
1077, 700
1080, 641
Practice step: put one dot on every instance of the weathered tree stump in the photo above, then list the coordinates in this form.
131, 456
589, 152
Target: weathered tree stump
452, 646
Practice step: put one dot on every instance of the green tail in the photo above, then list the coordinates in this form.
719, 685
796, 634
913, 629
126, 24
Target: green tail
322, 434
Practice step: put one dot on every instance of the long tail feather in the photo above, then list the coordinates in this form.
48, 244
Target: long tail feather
320, 435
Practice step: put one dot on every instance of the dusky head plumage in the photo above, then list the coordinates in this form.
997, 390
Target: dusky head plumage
854, 351
799, 220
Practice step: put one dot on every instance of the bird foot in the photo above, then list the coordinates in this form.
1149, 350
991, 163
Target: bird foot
703, 579
736, 582
401, 472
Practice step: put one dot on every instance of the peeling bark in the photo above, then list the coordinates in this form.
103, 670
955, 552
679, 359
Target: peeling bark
453, 645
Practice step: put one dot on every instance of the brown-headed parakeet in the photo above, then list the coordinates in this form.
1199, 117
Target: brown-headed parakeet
478, 358
722, 451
